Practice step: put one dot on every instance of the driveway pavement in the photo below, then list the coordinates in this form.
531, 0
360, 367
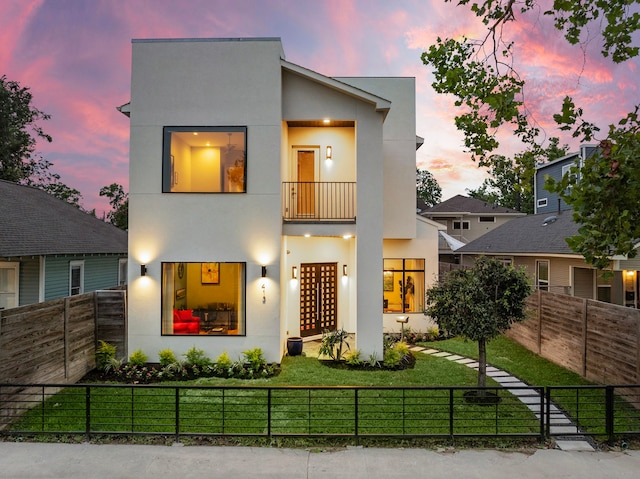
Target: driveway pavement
109, 461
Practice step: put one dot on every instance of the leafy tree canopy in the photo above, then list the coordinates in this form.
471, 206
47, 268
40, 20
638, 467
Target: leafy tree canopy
427, 187
479, 303
119, 201
480, 74
19, 132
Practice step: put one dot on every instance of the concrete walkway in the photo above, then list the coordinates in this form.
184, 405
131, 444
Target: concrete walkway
560, 422
110, 461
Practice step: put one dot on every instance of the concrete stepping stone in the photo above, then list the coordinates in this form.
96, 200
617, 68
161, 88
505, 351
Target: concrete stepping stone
559, 423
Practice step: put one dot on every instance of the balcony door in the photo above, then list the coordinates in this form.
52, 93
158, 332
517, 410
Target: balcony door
306, 167
318, 298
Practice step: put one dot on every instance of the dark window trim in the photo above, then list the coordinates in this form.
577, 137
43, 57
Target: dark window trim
244, 300
166, 151
404, 273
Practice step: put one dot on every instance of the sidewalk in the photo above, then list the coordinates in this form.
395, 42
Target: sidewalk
108, 461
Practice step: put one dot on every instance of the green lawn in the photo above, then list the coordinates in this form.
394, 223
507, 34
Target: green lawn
203, 408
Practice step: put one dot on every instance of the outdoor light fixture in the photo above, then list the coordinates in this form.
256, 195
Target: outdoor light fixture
344, 270
329, 152
264, 271
294, 272
143, 270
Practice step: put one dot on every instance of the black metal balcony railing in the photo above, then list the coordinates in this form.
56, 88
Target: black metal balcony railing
308, 201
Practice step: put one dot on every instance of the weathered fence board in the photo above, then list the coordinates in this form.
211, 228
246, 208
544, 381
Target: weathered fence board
54, 342
600, 341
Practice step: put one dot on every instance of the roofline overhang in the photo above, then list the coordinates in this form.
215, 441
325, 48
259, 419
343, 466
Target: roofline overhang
538, 255
382, 105
125, 109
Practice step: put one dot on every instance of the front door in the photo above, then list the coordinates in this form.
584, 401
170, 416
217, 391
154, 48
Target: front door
318, 298
306, 186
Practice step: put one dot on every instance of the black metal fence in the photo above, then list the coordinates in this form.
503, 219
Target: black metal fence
356, 412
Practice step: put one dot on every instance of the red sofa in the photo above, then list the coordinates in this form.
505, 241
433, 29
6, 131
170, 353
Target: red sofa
184, 322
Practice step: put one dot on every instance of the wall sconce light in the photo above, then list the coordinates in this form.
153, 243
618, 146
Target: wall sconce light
294, 272
344, 270
264, 271
329, 152
143, 270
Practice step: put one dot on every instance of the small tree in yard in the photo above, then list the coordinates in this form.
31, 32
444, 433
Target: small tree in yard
480, 304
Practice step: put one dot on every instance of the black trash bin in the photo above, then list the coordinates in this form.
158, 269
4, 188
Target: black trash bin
294, 346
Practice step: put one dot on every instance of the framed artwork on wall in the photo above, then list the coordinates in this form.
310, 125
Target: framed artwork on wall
387, 281
210, 273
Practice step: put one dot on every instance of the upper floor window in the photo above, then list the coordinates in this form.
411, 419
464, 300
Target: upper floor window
542, 202
487, 219
464, 225
204, 159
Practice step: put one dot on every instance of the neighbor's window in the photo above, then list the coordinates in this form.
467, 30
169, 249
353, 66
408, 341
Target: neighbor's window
464, 225
76, 277
542, 202
403, 285
204, 160
487, 219
203, 298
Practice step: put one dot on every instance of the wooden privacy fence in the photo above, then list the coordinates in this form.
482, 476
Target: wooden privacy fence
55, 341
597, 340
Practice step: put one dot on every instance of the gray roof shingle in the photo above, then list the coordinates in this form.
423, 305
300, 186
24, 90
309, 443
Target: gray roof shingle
464, 204
32, 222
526, 235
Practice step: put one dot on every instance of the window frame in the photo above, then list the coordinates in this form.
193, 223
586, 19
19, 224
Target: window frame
542, 202
240, 311
405, 272
462, 225
486, 219
168, 174
79, 264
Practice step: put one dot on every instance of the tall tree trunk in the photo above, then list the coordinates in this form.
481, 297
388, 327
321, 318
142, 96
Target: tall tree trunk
482, 360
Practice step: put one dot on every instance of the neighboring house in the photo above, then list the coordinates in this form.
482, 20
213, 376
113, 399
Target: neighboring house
546, 202
50, 249
538, 242
465, 219
269, 201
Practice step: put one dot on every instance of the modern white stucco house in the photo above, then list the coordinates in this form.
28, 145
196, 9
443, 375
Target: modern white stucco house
269, 201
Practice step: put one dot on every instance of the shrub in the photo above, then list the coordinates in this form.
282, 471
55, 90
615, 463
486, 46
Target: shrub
167, 357
333, 342
402, 348
391, 358
196, 357
224, 361
138, 358
433, 332
105, 354
254, 358
352, 358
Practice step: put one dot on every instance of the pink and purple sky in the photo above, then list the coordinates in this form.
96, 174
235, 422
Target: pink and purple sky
75, 56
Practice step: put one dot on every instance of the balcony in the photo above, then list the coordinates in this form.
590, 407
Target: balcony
314, 202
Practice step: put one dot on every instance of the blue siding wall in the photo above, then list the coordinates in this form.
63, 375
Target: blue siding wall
29, 281
554, 170
100, 272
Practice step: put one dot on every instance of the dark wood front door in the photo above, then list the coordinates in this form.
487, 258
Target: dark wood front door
318, 298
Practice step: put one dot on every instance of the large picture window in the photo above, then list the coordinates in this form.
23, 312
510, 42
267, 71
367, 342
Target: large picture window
203, 298
204, 160
403, 285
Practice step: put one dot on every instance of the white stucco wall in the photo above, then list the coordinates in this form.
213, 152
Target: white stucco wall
205, 83
425, 245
